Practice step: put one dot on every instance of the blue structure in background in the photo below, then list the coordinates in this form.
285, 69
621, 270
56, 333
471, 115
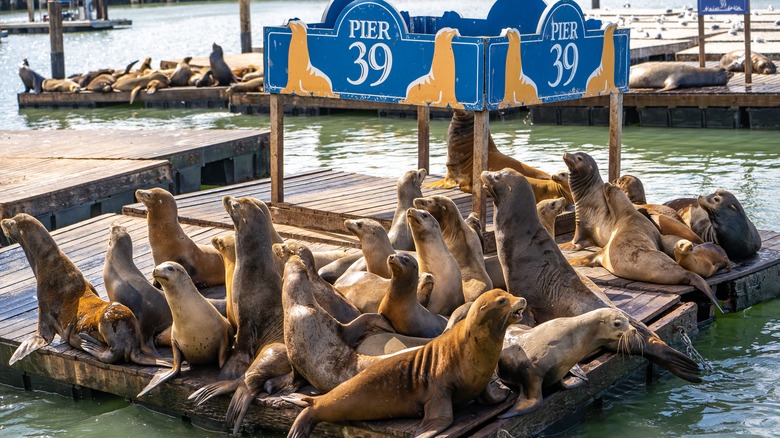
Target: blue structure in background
722, 7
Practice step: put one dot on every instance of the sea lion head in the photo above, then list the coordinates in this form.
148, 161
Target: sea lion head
632, 187
580, 165
617, 201
286, 250
17, 228
170, 273
508, 184
422, 223
613, 324
364, 228
496, 309
412, 179
440, 207
561, 177
766, 67
402, 266
226, 245
735, 232
154, 196
551, 207
683, 247
720, 202
119, 238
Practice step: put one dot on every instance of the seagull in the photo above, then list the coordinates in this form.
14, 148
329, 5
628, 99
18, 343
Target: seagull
714, 27
758, 39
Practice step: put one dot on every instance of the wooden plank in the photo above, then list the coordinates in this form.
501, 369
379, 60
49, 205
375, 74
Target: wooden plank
424, 138
615, 134
277, 149
480, 164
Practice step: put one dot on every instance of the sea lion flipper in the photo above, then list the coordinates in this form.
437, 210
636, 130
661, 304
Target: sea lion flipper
29, 345
699, 283
493, 393
529, 400
162, 377
98, 349
239, 405
134, 93
438, 416
445, 183
214, 389
658, 352
587, 260
356, 330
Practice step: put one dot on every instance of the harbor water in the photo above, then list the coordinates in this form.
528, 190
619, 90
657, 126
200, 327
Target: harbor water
740, 397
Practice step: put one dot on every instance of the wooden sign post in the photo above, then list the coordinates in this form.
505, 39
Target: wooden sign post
727, 7
55, 37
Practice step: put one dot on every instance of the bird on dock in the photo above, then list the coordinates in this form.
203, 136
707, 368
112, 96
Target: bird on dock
777, 22
714, 27
759, 39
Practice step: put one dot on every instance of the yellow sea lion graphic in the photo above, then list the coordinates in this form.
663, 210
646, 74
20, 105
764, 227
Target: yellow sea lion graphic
602, 80
438, 86
519, 89
302, 77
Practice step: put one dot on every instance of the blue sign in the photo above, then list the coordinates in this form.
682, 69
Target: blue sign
565, 59
368, 54
723, 7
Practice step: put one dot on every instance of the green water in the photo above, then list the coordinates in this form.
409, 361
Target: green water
740, 397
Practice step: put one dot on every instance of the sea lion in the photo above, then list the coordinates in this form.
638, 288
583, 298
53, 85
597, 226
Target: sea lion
366, 290
634, 250
535, 268
437, 87
704, 259
181, 75
734, 231
550, 189
270, 372
635, 190
119, 73
673, 75
60, 86
249, 86
460, 155
450, 370
200, 335
257, 285
434, 257
332, 271
145, 67
375, 245
126, 284
202, 78
408, 188
462, 242
591, 214
134, 84
548, 210
169, 241
31, 79
69, 306
400, 306
735, 61
101, 84
332, 359
226, 245
327, 296
536, 358
85, 79
219, 68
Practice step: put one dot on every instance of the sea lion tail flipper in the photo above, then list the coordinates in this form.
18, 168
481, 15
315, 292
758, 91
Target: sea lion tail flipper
587, 260
300, 400
661, 354
103, 352
140, 358
214, 389
134, 93
29, 345
239, 405
445, 183
438, 416
304, 424
699, 283
158, 379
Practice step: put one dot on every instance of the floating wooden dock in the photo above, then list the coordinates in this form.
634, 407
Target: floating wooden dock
67, 26
75, 175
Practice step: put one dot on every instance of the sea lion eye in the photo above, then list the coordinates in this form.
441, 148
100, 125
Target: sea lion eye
502, 301
617, 323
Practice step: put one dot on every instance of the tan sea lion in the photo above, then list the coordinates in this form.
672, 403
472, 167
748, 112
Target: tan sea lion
101, 84
375, 245
733, 229
460, 155
200, 335
704, 259
635, 190
435, 258
181, 75
126, 284
169, 241
673, 75
68, 305
400, 306
60, 86
226, 245
257, 286
462, 242
634, 250
85, 79
536, 358
591, 214
550, 189
548, 210
327, 296
408, 188
735, 61
145, 66
535, 268
450, 370
332, 359
366, 290
134, 84
248, 86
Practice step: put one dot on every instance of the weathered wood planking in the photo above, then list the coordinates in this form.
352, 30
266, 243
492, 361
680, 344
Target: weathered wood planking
714, 50
44, 186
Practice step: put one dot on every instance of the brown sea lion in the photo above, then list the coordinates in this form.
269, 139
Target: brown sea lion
673, 75
536, 358
550, 189
332, 359
366, 290
126, 284
269, 373
68, 305
145, 66
327, 296
704, 259
248, 86
462, 242
200, 335
451, 370
134, 84
535, 268
31, 79
735, 61
101, 84
181, 75
169, 241
375, 245
590, 209
219, 68
634, 250
60, 86
408, 188
435, 258
257, 286
548, 210
734, 231
226, 245
460, 155
400, 306
635, 190
86, 78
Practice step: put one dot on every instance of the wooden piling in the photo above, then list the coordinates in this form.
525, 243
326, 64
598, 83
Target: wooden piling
481, 136
748, 55
701, 40
246, 26
31, 10
55, 35
615, 134
424, 138
277, 148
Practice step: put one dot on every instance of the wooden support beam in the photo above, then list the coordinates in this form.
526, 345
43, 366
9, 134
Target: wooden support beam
277, 149
701, 40
481, 135
55, 36
748, 56
31, 10
246, 26
424, 138
615, 134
